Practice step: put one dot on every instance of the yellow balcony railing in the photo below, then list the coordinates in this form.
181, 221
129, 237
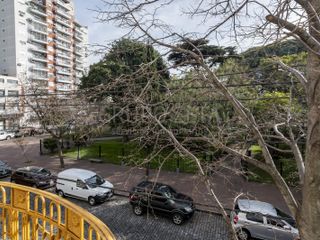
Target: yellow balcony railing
31, 214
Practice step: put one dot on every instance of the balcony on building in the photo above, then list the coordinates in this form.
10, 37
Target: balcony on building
63, 46
63, 55
42, 77
42, 30
62, 21
79, 74
78, 37
65, 88
62, 4
40, 3
63, 63
24, 216
37, 49
63, 30
39, 68
41, 40
62, 71
63, 38
63, 13
63, 79
37, 19
35, 9
38, 58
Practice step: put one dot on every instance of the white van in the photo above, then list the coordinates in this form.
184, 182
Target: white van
83, 184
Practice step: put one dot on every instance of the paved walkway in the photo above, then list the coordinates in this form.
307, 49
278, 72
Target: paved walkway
226, 186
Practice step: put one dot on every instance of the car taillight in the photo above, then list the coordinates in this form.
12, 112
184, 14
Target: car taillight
235, 219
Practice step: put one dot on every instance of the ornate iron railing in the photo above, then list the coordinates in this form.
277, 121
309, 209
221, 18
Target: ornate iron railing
32, 214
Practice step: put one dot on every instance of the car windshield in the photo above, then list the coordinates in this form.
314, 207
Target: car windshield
168, 191
95, 181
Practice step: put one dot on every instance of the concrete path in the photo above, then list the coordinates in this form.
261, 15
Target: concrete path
226, 185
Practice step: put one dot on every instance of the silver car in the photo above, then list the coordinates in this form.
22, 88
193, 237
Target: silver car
260, 220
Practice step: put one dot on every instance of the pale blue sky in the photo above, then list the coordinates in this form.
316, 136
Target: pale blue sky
103, 33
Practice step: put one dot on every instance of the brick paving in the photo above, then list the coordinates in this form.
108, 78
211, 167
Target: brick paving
118, 216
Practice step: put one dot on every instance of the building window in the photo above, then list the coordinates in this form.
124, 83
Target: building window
14, 82
1, 80
13, 93
2, 92
2, 107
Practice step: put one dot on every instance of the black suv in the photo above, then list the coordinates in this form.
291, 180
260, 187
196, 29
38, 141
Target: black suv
161, 198
33, 176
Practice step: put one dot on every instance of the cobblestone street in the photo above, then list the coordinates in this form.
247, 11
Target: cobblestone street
118, 215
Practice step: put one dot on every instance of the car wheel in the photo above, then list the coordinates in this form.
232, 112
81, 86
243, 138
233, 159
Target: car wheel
8, 137
177, 218
92, 201
243, 234
60, 193
137, 210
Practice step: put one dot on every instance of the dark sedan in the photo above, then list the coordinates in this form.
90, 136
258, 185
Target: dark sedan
33, 176
161, 198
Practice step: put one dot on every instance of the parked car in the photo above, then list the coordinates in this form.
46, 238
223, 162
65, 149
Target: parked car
6, 135
25, 131
260, 220
33, 176
163, 199
84, 185
246, 205
5, 169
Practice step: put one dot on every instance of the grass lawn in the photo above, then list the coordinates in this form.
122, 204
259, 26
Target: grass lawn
117, 152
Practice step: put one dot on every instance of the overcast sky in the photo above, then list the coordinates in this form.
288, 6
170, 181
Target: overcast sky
102, 33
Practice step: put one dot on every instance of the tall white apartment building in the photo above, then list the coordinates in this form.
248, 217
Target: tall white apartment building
42, 44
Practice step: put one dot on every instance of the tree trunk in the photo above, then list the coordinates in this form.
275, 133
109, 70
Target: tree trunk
310, 210
60, 153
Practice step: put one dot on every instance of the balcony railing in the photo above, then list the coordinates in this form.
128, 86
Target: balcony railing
29, 213
62, 21
38, 11
63, 13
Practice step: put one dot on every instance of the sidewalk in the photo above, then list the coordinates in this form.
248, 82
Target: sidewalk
226, 186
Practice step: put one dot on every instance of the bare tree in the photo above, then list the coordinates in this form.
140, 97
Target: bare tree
280, 19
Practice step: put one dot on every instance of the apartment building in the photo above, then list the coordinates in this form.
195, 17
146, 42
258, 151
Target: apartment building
9, 102
42, 45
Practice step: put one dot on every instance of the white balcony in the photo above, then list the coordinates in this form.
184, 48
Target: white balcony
38, 40
63, 30
64, 80
38, 77
37, 49
62, 4
79, 67
78, 37
39, 30
62, 55
65, 88
63, 38
63, 72
78, 53
39, 68
62, 21
63, 13
38, 59
60, 46
63, 64
38, 11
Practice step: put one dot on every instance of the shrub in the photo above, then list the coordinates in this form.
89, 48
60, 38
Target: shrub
50, 144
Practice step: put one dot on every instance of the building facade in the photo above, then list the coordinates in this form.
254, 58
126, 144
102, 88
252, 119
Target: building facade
42, 45
10, 113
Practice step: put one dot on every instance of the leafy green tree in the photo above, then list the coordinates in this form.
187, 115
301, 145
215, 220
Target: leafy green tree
211, 53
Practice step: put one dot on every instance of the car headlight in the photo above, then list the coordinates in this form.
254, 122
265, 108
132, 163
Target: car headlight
102, 194
188, 209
